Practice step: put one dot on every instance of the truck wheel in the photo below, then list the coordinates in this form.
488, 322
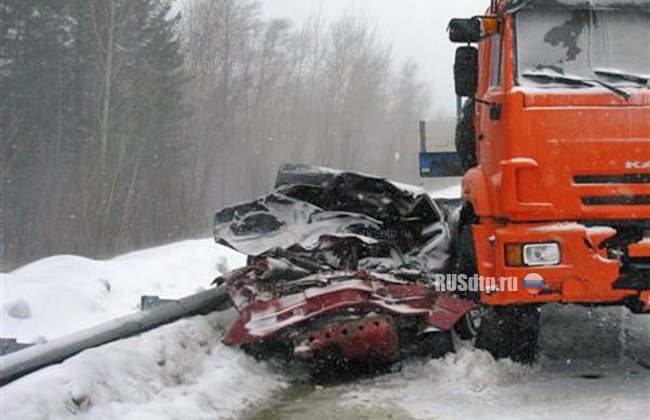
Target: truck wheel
503, 331
465, 254
433, 345
467, 327
510, 332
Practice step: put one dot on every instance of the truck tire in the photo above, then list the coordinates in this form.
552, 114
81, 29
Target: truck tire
467, 327
506, 332
433, 345
510, 332
465, 252
466, 264
466, 136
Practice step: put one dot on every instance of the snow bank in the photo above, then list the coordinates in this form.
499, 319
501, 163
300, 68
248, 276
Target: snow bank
450, 192
62, 294
594, 364
178, 371
457, 386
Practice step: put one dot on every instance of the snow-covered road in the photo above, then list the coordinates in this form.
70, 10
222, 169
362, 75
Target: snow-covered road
594, 364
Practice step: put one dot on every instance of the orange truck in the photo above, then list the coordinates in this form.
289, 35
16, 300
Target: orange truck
554, 144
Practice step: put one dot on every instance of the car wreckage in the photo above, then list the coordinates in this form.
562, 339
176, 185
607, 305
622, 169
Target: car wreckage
340, 271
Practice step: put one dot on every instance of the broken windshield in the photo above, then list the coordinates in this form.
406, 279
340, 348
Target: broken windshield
578, 43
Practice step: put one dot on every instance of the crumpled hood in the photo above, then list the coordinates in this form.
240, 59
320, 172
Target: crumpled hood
345, 220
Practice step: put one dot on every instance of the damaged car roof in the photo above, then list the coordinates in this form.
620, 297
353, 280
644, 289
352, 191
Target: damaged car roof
315, 211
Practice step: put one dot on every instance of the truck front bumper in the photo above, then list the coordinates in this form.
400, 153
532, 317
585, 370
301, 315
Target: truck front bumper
587, 272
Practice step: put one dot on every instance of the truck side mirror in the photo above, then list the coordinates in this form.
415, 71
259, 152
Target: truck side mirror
466, 71
465, 30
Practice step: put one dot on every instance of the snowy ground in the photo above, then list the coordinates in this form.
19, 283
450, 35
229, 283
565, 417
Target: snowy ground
179, 371
594, 361
594, 365
62, 294
443, 187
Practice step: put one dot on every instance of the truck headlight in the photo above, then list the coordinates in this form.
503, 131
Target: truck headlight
541, 254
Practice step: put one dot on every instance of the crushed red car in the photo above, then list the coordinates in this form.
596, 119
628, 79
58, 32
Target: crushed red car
339, 271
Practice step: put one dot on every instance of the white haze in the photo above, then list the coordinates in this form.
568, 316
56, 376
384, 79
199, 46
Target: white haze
415, 28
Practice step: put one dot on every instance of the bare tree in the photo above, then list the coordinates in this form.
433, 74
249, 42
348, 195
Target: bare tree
123, 126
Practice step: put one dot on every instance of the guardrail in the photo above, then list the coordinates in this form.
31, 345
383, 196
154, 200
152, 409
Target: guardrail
31, 359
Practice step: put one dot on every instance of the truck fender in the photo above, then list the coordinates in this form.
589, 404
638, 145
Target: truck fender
475, 190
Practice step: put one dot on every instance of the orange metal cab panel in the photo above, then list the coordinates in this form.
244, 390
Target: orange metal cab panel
584, 275
541, 163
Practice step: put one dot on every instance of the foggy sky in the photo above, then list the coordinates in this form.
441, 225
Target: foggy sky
415, 28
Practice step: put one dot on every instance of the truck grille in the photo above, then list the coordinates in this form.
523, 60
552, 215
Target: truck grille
617, 200
591, 185
613, 179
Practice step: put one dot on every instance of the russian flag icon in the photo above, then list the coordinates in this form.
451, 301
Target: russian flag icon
533, 283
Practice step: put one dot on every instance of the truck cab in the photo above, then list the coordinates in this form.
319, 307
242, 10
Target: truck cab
559, 104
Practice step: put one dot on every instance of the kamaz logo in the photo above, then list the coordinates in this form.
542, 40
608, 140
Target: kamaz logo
637, 165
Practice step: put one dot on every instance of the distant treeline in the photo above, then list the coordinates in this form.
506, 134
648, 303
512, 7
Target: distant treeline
124, 125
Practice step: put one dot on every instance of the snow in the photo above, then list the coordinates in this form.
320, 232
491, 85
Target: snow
471, 384
178, 371
594, 361
594, 364
19, 309
63, 294
449, 192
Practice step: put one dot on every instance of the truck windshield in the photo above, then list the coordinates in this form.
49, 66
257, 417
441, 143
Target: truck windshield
611, 45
